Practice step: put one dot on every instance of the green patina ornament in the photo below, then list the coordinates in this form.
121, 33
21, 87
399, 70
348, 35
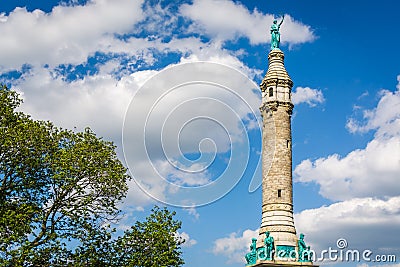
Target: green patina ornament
269, 246
251, 257
305, 254
275, 34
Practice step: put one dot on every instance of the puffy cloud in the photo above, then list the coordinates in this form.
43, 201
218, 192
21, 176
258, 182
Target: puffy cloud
71, 34
98, 101
361, 180
192, 211
215, 18
189, 242
66, 34
365, 223
307, 95
371, 171
385, 118
235, 246
162, 127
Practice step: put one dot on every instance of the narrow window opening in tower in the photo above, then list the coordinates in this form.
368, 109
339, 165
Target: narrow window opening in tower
271, 92
288, 143
279, 192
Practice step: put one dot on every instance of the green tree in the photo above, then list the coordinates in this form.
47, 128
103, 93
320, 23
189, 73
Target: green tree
152, 243
59, 192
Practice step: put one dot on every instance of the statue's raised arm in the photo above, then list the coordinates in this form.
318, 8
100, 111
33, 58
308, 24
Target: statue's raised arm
280, 23
275, 35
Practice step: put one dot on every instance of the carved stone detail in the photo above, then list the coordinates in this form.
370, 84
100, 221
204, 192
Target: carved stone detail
271, 207
278, 228
276, 54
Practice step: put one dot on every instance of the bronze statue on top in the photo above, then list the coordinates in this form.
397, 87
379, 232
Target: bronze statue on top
275, 34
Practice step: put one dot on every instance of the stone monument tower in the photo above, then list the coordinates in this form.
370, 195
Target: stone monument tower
276, 110
277, 243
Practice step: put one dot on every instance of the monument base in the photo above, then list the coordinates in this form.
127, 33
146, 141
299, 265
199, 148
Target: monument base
266, 263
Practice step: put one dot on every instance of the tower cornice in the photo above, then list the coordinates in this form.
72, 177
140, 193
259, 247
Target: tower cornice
276, 74
277, 84
267, 82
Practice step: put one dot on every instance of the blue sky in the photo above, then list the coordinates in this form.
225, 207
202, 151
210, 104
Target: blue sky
100, 63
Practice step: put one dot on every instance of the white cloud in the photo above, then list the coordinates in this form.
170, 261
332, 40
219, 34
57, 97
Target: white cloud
71, 34
97, 101
385, 118
307, 95
365, 180
365, 223
128, 216
162, 126
371, 171
145, 193
68, 34
100, 102
189, 242
214, 17
183, 175
235, 246
192, 211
